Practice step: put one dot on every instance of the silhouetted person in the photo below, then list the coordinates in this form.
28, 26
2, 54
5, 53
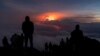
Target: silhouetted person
28, 28
77, 34
5, 42
76, 40
15, 40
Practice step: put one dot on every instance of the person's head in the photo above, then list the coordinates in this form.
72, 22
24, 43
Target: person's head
77, 27
27, 18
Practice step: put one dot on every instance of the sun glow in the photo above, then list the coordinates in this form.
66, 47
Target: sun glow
96, 18
50, 16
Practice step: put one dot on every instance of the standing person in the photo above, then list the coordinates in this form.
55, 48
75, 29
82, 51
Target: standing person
28, 29
77, 34
77, 40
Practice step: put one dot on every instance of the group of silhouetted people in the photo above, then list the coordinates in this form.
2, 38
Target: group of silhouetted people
28, 30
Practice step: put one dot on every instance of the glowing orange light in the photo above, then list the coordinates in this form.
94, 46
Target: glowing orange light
50, 16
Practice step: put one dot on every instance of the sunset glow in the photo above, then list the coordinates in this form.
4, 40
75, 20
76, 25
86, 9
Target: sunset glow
50, 16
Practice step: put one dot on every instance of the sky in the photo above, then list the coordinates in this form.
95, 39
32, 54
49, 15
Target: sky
20, 8
56, 16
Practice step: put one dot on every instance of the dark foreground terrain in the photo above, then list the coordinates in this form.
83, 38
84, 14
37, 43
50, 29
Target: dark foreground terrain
76, 45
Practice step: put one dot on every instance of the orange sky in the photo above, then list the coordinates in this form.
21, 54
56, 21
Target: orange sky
50, 16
